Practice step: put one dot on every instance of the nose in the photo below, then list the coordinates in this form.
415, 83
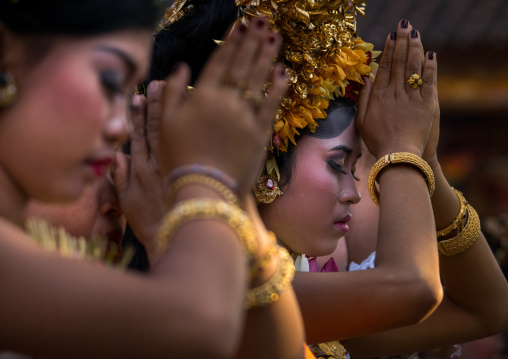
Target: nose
349, 192
116, 130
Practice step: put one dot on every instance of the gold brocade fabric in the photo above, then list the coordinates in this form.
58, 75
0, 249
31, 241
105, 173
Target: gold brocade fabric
329, 350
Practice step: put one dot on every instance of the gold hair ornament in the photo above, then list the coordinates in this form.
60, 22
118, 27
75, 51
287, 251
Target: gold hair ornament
270, 291
399, 157
465, 238
209, 209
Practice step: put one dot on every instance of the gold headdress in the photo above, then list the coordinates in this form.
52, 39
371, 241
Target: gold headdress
324, 57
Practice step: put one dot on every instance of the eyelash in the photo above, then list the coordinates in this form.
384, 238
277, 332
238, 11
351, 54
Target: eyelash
111, 83
336, 167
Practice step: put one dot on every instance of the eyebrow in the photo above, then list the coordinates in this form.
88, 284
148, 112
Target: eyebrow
122, 55
346, 149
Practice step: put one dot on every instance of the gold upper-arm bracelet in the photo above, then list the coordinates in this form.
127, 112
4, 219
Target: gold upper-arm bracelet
205, 180
269, 291
205, 208
465, 238
399, 157
457, 222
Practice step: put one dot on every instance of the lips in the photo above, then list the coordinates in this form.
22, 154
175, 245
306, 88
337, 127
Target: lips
342, 224
100, 165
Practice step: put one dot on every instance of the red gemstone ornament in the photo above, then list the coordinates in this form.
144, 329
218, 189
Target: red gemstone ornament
269, 184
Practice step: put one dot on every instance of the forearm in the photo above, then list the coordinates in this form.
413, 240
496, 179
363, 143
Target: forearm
406, 275
473, 279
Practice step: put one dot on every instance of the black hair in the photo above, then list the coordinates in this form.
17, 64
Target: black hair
191, 39
78, 17
341, 113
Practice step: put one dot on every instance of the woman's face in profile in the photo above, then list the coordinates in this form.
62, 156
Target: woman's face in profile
312, 214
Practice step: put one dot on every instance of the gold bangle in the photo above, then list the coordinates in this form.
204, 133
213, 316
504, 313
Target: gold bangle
208, 181
465, 239
204, 208
269, 291
399, 157
457, 222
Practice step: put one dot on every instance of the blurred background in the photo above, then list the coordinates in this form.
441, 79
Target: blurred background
470, 38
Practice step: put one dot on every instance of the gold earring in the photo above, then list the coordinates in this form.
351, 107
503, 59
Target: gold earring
8, 89
266, 189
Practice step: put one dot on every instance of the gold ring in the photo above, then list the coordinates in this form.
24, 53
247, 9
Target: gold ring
415, 81
241, 85
256, 99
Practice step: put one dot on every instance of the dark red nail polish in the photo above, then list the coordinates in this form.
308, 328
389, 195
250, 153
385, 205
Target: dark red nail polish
271, 39
393, 35
431, 55
282, 72
404, 23
414, 34
176, 68
242, 28
260, 23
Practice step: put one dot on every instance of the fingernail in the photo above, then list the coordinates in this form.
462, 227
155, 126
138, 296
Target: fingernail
393, 35
242, 28
176, 68
271, 39
414, 34
404, 23
260, 23
282, 72
153, 87
431, 55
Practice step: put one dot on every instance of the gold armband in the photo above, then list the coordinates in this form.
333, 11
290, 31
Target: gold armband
465, 238
269, 291
399, 157
198, 209
205, 180
457, 223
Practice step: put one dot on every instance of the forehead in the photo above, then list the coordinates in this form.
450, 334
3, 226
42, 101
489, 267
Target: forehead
312, 148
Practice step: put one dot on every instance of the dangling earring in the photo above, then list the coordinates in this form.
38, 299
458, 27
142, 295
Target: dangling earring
8, 89
266, 189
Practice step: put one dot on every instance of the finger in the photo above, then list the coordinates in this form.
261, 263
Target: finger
174, 92
221, 59
429, 76
384, 72
120, 173
258, 75
137, 112
398, 77
154, 114
247, 53
415, 59
363, 102
272, 101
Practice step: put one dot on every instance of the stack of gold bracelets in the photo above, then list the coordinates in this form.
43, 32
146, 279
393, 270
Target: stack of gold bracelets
229, 212
464, 235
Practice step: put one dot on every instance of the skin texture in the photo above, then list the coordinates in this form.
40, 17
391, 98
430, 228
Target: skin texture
327, 193
97, 212
84, 299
